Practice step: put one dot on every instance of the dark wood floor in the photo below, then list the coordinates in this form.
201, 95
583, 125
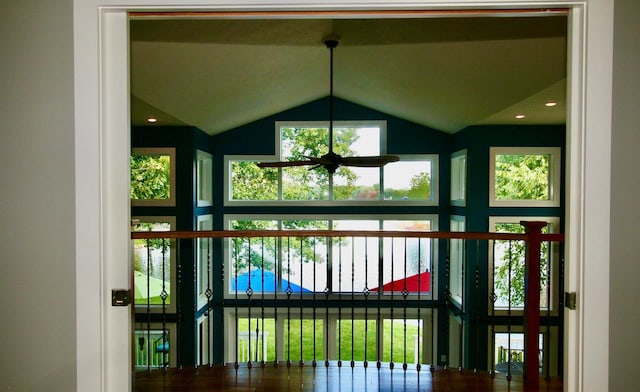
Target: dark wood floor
329, 379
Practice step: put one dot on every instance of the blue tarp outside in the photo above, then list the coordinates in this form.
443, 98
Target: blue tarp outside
268, 280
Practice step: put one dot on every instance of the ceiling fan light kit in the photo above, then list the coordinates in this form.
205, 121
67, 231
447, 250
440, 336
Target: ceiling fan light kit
331, 161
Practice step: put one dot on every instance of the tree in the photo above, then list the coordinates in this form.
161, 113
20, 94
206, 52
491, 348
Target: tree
150, 177
522, 177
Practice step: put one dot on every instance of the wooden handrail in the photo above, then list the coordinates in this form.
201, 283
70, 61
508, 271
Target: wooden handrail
554, 237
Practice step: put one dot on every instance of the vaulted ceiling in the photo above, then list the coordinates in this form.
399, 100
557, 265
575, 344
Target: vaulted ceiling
446, 73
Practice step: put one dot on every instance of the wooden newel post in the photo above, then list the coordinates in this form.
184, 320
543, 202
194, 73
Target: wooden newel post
531, 374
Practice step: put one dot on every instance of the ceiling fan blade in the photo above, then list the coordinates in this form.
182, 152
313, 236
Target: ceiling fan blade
369, 161
286, 163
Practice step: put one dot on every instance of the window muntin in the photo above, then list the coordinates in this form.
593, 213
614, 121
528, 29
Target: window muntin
514, 251
154, 265
524, 176
301, 267
413, 180
153, 176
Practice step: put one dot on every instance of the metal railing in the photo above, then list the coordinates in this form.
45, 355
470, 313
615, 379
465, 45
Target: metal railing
354, 298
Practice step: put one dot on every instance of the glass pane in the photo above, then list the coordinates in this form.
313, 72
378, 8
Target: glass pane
522, 177
299, 338
300, 183
456, 257
509, 352
458, 177
249, 182
354, 337
407, 261
256, 340
408, 180
152, 266
355, 259
400, 339
509, 269
304, 260
150, 177
253, 261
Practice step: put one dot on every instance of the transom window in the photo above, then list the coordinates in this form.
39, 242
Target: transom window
409, 181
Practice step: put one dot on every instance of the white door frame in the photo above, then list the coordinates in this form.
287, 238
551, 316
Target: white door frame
102, 148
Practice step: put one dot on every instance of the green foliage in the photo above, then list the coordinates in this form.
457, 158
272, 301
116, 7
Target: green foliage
510, 272
249, 182
522, 177
420, 186
150, 177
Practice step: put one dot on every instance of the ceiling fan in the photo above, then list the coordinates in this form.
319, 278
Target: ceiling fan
331, 161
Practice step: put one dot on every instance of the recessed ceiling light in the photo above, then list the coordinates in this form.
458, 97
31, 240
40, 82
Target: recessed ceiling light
152, 119
520, 116
551, 104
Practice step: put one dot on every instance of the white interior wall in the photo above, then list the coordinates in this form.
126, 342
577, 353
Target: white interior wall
43, 244
624, 339
37, 210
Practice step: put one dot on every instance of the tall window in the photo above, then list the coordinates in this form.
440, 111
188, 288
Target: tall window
412, 180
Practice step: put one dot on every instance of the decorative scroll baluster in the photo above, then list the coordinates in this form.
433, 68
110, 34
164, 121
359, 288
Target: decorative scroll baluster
288, 291
391, 365
148, 304
365, 291
509, 321
301, 285
476, 285
264, 359
208, 293
249, 292
447, 294
235, 302
492, 302
353, 292
405, 293
463, 308
163, 296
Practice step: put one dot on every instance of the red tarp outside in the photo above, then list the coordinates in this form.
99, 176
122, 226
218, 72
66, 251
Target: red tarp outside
410, 283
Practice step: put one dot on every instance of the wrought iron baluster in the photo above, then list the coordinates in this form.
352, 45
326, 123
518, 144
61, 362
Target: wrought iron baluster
235, 302
288, 291
366, 297
353, 291
249, 293
492, 301
301, 285
405, 293
509, 311
476, 282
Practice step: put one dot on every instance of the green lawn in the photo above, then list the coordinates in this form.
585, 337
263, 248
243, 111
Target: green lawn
294, 330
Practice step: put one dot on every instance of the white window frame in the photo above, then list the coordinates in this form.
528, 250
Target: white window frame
553, 302
171, 152
555, 163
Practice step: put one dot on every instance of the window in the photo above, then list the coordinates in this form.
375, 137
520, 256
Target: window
204, 179
459, 178
412, 180
524, 176
154, 266
456, 260
153, 174
204, 261
506, 265
296, 266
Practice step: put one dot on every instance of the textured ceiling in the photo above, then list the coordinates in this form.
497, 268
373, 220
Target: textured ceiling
446, 73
